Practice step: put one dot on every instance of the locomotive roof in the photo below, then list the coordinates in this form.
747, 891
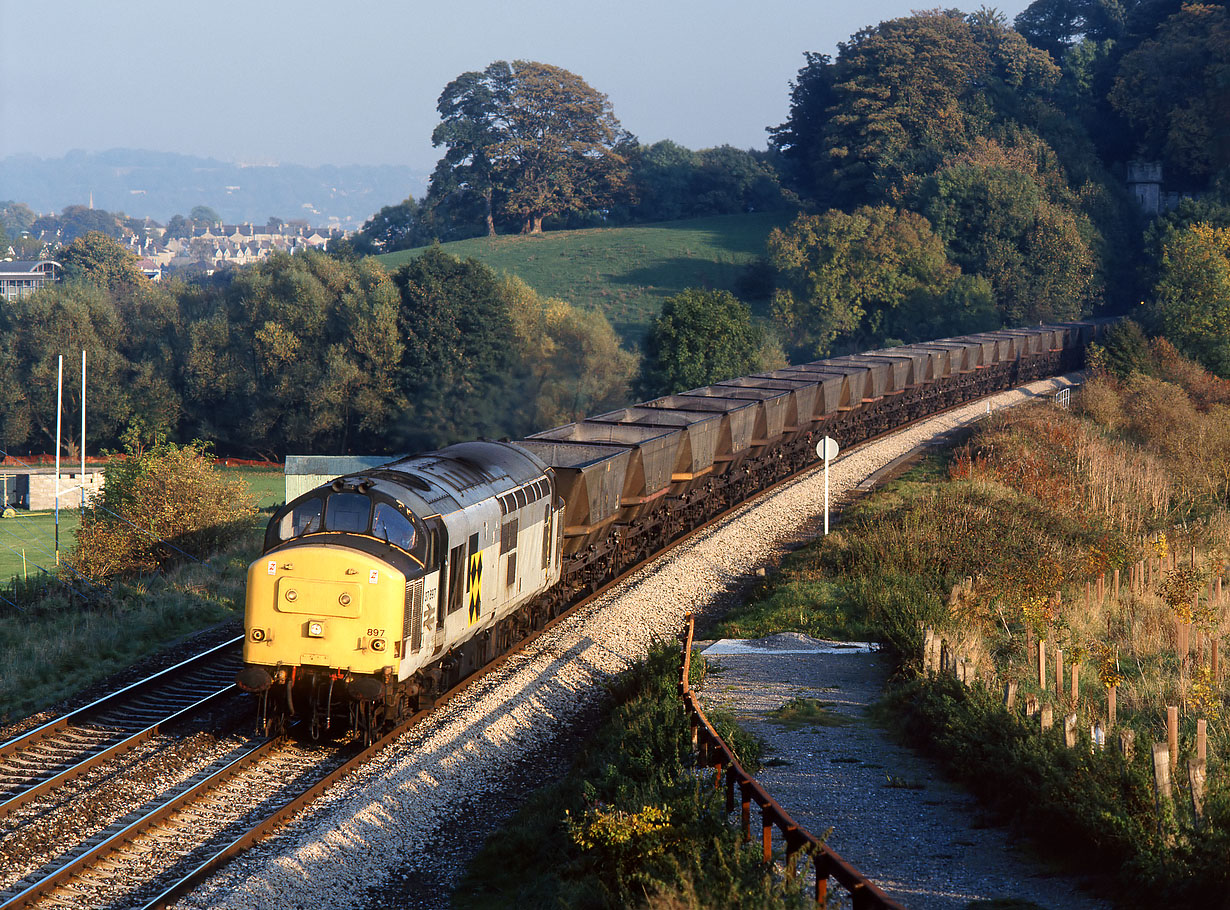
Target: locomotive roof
457, 476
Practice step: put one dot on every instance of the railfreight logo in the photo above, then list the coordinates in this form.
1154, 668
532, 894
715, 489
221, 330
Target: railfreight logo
474, 580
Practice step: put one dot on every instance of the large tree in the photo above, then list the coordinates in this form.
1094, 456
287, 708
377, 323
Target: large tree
575, 364
1191, 304
531, 140
298, 353
1174, 90
998, 222
97, 259
460, 375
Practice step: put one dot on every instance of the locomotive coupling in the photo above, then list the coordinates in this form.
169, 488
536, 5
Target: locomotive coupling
253, 679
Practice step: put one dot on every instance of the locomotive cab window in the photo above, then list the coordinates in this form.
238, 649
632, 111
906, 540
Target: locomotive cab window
392, 526
302, 519
348, 512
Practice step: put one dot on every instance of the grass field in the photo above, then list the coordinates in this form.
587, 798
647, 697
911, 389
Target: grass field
34, 533
625, 272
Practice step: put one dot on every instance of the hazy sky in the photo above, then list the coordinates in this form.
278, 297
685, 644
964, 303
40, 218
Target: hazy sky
312, 82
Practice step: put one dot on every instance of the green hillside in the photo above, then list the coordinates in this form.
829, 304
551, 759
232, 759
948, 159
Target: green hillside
626, 272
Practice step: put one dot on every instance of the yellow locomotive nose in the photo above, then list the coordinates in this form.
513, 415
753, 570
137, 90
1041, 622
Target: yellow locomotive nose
326, 607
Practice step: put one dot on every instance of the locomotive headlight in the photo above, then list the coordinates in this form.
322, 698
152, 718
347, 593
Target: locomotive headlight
258, 634
316, 629
344, 599
377, 644
292, 595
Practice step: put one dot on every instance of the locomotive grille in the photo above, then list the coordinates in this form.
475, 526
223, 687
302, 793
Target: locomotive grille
413, 628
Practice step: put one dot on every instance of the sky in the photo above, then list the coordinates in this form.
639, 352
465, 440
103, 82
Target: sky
313, 82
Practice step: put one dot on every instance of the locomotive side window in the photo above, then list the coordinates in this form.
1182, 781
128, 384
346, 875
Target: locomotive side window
302, 519
392, 526
456, 577
348, 512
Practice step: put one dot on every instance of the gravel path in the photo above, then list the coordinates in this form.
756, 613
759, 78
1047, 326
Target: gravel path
461, 770
893, 816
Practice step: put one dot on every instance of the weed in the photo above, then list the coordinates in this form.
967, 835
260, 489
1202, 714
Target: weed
803, 712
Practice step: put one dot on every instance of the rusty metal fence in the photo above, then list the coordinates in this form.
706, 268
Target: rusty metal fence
712, 753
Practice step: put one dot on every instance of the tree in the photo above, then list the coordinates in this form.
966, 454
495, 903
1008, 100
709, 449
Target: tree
532, 139
63, 320
1056, 26
97, 259
16, 217
901, 98
1191, 303
394, 227
158, 508
840, 276
1173, 91
997, 222
460, 376
702, 337
575, 363
295, 353
203, 216
178, 227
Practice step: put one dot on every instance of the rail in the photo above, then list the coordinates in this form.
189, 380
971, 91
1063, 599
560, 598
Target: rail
713, 753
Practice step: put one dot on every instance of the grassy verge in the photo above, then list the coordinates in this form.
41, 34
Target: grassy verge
58, 647
630, 824
76, 634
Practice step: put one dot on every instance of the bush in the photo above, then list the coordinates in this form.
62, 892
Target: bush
630, 825
157, 508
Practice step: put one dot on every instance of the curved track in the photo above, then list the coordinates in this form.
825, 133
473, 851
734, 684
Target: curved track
157, 852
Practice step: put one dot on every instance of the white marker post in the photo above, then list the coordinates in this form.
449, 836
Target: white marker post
827, 449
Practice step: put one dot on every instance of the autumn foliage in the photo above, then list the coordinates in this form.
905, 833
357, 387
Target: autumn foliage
159, 507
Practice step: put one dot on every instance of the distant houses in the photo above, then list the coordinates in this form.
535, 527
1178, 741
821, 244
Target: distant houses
206, 250
227, 245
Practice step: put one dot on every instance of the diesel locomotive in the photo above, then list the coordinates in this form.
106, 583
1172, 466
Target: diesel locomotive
383, 588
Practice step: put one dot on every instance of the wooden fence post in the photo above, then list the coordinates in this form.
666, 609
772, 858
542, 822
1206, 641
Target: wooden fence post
1042, 664
1111, 698
1161, 784
1196, 773
1069, 731
1059, 672
1010, 694
1076, 683
1172, 733
1048, 718
1202, 739
1127, 744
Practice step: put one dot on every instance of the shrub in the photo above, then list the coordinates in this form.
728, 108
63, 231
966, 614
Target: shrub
157, 508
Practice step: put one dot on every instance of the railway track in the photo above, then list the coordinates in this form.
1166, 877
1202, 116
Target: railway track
39, 762
156, 852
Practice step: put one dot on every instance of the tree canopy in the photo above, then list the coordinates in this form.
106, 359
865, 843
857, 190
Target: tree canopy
1191, 303
530, 140
702, 337
843, 276
901, 97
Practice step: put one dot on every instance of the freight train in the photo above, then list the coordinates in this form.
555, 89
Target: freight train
385, 587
